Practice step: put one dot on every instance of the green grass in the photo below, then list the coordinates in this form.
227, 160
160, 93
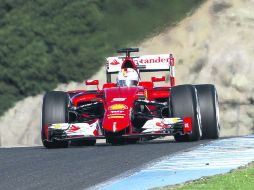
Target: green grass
242, 178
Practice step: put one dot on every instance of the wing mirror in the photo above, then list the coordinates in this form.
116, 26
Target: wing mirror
92, 82
158, 79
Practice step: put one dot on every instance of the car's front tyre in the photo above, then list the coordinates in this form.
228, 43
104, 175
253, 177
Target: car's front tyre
54, 110
183, 102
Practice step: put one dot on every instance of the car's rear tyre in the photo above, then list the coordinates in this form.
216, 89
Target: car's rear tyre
83, 143
54, 110
209, 108
183, 102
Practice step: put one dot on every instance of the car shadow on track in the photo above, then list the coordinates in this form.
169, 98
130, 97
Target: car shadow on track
102, 143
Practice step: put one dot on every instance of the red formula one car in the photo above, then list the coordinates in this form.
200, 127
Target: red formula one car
128, 109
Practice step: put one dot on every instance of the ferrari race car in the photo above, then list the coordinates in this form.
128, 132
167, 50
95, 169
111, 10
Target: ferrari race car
128, 110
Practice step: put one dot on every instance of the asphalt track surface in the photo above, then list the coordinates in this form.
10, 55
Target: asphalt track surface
78, 167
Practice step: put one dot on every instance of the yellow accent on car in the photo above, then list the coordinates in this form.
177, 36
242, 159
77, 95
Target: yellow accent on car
146, 95
57, 126
118, 107
176, 119
116, 117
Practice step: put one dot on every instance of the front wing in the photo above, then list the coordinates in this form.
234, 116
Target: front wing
155, 127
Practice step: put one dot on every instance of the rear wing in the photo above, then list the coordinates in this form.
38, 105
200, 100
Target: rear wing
145, 63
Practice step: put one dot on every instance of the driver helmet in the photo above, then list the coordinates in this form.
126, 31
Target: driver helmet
127, 77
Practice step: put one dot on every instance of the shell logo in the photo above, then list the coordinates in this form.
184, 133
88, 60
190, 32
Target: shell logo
118, 107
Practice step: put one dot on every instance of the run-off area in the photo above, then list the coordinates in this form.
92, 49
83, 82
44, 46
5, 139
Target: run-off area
218, 157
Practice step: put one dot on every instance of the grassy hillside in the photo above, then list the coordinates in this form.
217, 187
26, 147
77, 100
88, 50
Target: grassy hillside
46, 42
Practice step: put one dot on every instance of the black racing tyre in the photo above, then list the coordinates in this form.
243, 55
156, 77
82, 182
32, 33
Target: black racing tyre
83, 142
183, 102
54, 110
209, 109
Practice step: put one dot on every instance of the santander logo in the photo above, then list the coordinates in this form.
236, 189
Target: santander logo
149, 60
114, 62
162, 125
73, 128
